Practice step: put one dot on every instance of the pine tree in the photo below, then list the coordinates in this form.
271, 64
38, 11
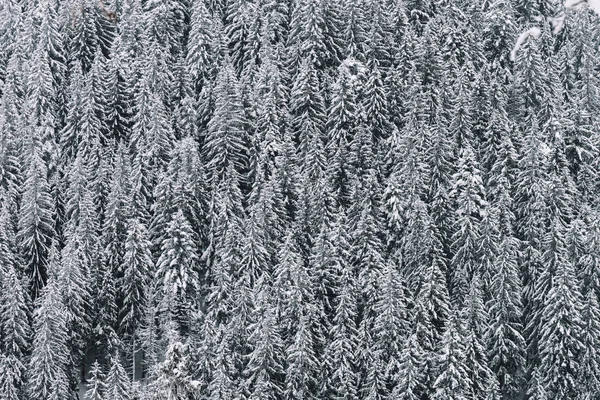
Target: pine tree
15, 329
307, 36
117, 384
137, 270
301, 375
12, 378
36, 215
308, 119
16, 332
200, 55
589, 376
241, 16
476, 321
177, 271
119, 91
341, 353
390, 329
376, 105
341, 126
499, 31
226, 137
221, 386
48, 367
264, 370
366, 249
453, 380
114, 221
470, 197
560, 342
14, 307
84, 33
96, 387
505, 340
172, 379
355, 31
410, 379
290, 276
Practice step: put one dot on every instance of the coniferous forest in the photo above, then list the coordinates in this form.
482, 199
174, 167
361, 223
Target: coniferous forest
299, 200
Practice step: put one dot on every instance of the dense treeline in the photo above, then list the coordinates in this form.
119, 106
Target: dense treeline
298, 199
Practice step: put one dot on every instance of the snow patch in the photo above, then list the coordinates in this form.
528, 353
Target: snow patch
594, 5
558, 23
545, 149
579, 4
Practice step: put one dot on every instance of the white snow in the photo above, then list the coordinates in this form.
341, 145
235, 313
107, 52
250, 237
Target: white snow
575, 4
557, 22
594, 5
545, 149
535, 32
579, 4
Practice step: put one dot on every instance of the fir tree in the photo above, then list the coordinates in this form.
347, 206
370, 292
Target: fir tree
341, 353
410, 379
470, 197
302, 363
36, 213
560, 342
505, 336
133, 288
48, 367
96, 387
14, 317
226, 137
453, 380
177, 271
117, 384
265, 367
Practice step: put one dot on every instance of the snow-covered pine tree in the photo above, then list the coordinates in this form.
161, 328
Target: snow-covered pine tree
469, 196
177, 271
226, 137
134, 283
36, 214
342, 352
48, 372
453, 380
505, 342
117, 383
15, 332
96, 385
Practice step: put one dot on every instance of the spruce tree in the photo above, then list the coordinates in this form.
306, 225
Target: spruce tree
16, 335
117, 383
560, 341
177, 271
410, 380
341, 354
36, 214
227, 136
132, 289
96, 386
470, 198
48, 374
505, 340
453, 380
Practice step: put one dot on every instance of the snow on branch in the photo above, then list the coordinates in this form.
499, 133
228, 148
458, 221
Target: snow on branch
557, 22
594, 5
535, 32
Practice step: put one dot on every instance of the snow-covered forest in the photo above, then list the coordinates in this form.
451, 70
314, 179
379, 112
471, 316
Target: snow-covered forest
299, 200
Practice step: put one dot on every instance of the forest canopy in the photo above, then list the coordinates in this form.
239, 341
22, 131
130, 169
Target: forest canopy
299, 199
